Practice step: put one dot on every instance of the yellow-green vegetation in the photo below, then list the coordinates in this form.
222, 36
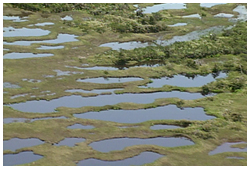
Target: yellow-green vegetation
212, 53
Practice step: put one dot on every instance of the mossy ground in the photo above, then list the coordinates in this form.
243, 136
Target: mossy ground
229, 107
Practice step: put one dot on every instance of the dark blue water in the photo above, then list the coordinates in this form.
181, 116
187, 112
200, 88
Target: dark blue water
109, 80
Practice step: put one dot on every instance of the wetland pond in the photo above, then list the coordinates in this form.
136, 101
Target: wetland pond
141, 159
25, 55
169, 112
43, 106
61, 38
183, 81
109, 80
120, 143
13, 32
15, 18
80, 126
187, 37
226, 147
159, 7
20, 158
22, 120
16, 143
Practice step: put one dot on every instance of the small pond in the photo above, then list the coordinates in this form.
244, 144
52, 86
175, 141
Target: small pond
183, 81
20, 158
159, 7
165, 126
51, 47
13, 32
9, 85
141, 159
80, 126
178, 24
43, 106
226, 147
170, 112
67, 18
242, 10
25, 55
69, 142
239, 158
15, 18
223, 15
109, 80
121, 143
192, 16
98, 91
190, 36
61, 38
42, 24
16, 143
209, 5
125, 45
19, 95
66, 73
15, 120
187, 37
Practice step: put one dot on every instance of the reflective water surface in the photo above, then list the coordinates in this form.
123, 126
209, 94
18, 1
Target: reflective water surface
20, 158
43, 106
61, 38
109, 80
158, 7
25, 55
80, 126
141, 159
184, 81
226, 147
17, 143
14, 32
170, 112
121, 143
163, 126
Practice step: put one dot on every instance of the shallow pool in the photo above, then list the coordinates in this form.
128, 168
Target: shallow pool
109, 80
25, 55
121, 143
43, 106
141, 159
20, 158
17, 143
159, 7
183, 81
14, 32
169, 112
